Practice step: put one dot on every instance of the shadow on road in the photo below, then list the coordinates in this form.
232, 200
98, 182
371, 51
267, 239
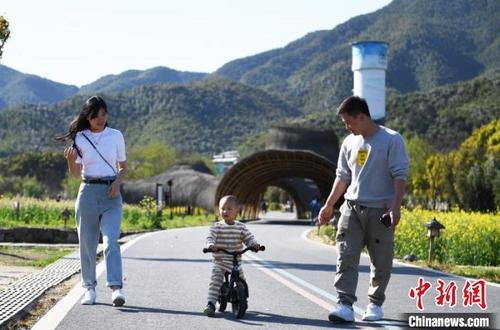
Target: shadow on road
167, 259
262, 318
401, 270
332, 268
291, 265
139, 309
254, 318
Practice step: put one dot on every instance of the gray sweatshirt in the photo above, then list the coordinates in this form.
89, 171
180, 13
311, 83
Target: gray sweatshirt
370, 166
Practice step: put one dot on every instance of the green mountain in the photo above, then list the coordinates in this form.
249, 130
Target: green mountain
447, 115
431, 43
215, 115
132, 78
444, 116
207, 117
17, 87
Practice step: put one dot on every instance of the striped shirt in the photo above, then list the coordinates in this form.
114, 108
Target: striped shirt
229, 237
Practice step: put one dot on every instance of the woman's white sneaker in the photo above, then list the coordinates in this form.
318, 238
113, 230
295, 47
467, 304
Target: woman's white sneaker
88, 297
118, 298
373, 313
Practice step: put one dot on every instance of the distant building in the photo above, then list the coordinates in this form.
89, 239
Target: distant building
225, 161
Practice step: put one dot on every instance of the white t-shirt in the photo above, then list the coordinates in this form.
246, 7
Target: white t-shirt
110, 144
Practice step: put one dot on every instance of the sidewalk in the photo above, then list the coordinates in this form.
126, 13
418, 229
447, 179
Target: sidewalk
21, 286
21, 293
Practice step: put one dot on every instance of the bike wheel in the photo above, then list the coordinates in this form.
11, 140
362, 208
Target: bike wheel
239, 300
223, 297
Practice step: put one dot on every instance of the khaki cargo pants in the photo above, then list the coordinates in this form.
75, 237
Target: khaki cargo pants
359, 226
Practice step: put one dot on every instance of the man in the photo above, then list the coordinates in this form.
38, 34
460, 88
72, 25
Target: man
315, 208
372, 170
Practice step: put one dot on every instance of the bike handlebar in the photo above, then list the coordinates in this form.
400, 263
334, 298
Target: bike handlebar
261, 248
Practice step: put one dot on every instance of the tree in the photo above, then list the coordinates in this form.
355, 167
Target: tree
476, 169
71, 185
439, 178
198, 162
30, 187
419, 152
48, 168
146, 161
4, 33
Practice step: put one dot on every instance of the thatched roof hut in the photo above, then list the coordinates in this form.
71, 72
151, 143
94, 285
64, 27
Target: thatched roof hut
190, 187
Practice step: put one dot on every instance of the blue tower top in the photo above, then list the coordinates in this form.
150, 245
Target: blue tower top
369, 55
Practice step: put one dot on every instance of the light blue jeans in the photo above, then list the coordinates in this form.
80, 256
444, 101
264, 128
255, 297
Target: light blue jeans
94, 210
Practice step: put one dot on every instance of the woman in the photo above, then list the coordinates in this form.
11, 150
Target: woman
95, 152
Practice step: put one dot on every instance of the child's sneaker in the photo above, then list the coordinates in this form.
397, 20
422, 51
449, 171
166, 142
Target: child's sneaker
210, 310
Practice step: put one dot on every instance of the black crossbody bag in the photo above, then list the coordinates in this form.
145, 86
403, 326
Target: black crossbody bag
85, 136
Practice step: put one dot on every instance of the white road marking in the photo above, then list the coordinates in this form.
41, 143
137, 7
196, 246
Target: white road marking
291, 281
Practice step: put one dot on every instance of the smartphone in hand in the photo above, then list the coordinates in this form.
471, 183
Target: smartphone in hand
386, 220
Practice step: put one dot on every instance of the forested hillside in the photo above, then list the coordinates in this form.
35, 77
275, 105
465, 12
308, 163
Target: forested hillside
431, 43
205, 117
444, 116
17, 87
133, 78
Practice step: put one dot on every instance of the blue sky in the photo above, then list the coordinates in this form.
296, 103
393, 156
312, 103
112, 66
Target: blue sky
78, 41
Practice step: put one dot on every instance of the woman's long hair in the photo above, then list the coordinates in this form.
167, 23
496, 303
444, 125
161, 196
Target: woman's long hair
90, 110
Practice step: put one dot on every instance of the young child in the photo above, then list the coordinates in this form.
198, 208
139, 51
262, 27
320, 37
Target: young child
230, 235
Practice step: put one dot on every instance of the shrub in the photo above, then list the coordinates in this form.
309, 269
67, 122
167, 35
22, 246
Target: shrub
47, 213
469, 238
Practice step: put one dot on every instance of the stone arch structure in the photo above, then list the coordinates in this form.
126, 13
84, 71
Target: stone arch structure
323, 142
251, 176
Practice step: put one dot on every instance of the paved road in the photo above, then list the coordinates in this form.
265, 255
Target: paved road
290, 285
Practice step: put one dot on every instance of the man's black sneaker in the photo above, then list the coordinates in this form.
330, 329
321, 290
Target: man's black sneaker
210, 310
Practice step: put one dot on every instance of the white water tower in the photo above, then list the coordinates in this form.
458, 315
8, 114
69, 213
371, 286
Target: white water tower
369, 63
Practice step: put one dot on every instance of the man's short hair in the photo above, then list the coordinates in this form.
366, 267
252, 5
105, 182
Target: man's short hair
353, 105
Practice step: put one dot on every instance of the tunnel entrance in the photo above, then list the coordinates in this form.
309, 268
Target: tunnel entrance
286, 169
